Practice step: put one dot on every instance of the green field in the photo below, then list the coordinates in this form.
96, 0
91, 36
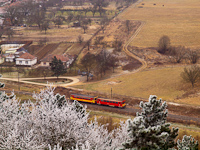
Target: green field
178, 19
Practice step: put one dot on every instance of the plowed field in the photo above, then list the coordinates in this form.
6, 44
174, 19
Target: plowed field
48, 49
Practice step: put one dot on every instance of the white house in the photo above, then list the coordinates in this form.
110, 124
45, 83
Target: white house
45, 62
9, 58
26, 59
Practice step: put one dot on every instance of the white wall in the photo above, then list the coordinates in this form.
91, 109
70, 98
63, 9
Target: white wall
26, 62
5, 47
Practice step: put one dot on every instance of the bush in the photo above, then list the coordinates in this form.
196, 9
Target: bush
163, 44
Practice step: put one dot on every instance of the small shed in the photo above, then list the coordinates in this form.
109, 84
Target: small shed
76, 24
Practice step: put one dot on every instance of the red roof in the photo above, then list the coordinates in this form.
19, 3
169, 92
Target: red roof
27, 56
49, 58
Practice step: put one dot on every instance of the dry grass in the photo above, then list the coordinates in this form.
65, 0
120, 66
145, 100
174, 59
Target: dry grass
179, 19
62, 48
166, 83
75, 49
54, 34
113, 121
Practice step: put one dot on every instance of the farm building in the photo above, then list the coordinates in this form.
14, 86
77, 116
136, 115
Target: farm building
45, 62
11, 51
76, 24
6, 47
26, 59
9, 57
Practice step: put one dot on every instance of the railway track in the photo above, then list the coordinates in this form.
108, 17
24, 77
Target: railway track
132, 112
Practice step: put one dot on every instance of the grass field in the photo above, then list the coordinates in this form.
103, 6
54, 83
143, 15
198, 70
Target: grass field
166, 83
114, 119
178, 19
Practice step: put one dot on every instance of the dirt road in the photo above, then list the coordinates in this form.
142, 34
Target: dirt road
24, 80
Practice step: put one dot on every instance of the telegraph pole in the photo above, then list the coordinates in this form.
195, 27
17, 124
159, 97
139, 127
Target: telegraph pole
18, 78
111, 92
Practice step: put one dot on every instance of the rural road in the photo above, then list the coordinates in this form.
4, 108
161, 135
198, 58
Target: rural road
28, 81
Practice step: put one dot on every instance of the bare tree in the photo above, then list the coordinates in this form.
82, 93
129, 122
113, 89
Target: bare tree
45, 26
103, 61
93, 10
112, 62
59, 20
80, 39
128, 26
193, 56
88, 44
9, 32
163, 44
98, 40
86, 10
70, 17
37, 17
85, 27
99, 4
88, 62
191, 74
11, 14
84, 24
2, 31
178, 53
118, 44
103, 23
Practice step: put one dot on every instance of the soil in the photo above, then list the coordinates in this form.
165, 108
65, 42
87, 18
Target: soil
54, 81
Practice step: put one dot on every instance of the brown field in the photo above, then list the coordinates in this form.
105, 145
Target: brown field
62, 48
75, 49
53, 35
178, 19
48, 49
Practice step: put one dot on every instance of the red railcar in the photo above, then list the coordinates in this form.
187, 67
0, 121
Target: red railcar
111, 102
99, 101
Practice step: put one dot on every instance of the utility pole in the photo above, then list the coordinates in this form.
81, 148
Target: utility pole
111, 92
18, 78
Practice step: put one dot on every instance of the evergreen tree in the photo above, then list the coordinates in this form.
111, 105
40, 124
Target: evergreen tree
149, 129
187, 143
57, 67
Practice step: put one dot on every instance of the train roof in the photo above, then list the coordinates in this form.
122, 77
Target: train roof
107, 99
83, 95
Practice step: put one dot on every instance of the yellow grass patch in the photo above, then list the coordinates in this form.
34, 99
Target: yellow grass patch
188, 130
179, 19
166, 83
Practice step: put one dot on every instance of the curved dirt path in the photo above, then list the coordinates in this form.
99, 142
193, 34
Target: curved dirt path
24, 80
144, 64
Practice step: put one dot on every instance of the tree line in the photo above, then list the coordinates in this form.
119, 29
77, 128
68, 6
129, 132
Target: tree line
98, 64
177, 54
